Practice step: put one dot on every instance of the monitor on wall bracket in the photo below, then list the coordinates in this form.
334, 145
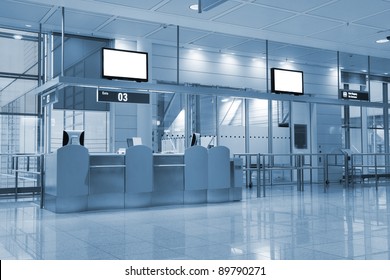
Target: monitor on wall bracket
286, 81
125, 65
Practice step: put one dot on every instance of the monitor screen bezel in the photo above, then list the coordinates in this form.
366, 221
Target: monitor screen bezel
128, 78
274, 87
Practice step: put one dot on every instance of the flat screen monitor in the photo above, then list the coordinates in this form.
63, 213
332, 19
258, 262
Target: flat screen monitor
73, 137
127, 65
134, 141
286, 81
195, 139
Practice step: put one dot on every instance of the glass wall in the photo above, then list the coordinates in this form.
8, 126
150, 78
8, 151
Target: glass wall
258, 126
95, 124
170, 123
231, 123
19, 122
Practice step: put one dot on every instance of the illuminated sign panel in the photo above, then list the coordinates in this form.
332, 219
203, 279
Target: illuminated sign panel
354, 95
122, 97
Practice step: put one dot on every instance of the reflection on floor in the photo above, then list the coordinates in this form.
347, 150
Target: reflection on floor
340, 224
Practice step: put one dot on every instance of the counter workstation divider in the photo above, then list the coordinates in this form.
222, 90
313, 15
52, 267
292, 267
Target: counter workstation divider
78, 181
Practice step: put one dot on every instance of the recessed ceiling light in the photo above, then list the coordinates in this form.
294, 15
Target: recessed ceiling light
18, 37
384, 40
194, 7
28, 25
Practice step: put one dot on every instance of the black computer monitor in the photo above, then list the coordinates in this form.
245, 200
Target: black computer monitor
73, 137
195, 139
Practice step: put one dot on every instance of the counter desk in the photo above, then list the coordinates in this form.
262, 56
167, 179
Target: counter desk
76, 180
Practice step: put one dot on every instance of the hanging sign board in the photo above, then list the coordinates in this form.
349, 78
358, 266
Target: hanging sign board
122, 97
354, 95
49, 98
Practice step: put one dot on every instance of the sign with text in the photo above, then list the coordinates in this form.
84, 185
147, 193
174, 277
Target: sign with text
354, 95
122, 97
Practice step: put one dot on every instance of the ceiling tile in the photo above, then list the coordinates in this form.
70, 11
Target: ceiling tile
351, 10
219, 41
77, 20
346, 33
124, 27
290, 51
144, 4
380, 20
169, 33
252, 46
303, 25
23, 11
165, 33
254, 16
296, 5
188, 35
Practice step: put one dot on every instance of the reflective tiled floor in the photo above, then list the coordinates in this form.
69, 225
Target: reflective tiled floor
339, 224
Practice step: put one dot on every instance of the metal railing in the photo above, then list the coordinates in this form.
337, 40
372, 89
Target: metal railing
251, 163
21, 174
289, 169
369, 166
341, 168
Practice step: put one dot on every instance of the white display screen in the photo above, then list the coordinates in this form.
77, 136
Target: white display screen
286, 81
119, 64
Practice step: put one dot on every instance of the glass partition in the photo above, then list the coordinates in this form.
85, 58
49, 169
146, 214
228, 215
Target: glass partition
231, 123
375, 130
96, 125
258, 126
319, 67
169, 130
203, 119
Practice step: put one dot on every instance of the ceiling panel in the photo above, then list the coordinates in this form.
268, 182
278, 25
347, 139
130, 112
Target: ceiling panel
188, 35
351, 10
169, 33
254, 16
122, 27
181, 8
252, 46
23, 11
346, 33
291, 51
296, 5
144, 4
77, 20
219, 41
380, 21
165, 33
303, 25
322, 57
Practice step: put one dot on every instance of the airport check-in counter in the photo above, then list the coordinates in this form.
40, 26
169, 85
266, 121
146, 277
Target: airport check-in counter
139, 178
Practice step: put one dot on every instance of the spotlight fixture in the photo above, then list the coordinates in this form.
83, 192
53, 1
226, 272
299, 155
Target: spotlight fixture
194, 7
382, 41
